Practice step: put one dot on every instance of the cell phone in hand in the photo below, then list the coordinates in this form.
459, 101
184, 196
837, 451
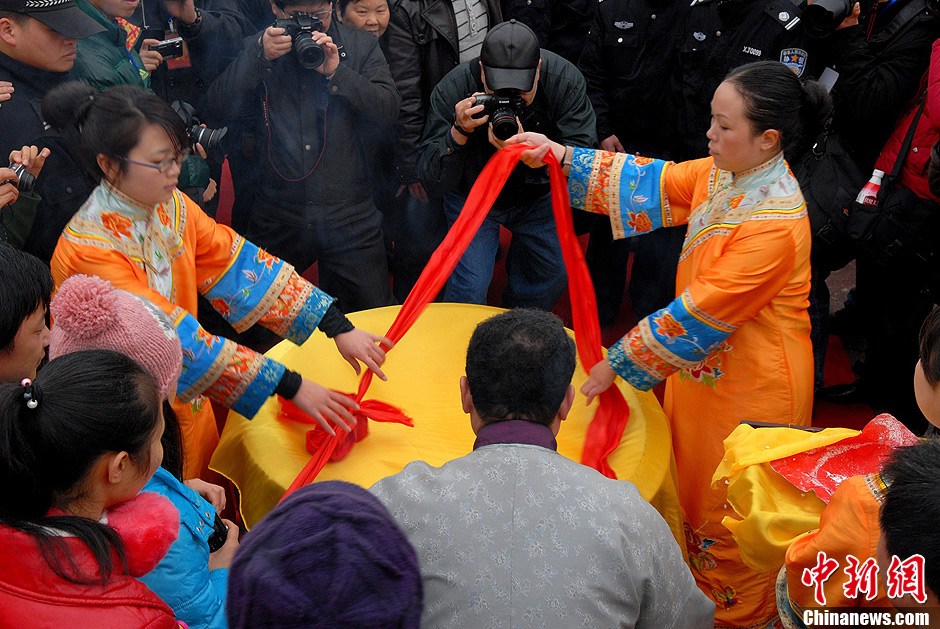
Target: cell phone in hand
169, 48
219, 534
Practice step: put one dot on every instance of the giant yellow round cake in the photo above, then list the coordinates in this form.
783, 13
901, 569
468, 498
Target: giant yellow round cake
264, 455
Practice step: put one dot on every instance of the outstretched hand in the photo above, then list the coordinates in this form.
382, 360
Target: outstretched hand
358, 345
599, 380
325, 406
535, 157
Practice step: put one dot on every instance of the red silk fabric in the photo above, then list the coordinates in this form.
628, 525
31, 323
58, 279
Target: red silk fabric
610, 418
822, 470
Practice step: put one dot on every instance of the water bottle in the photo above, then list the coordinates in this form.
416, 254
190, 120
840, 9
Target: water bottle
869, 193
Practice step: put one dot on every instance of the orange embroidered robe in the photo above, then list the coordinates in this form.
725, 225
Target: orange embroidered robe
734, 345
169, 255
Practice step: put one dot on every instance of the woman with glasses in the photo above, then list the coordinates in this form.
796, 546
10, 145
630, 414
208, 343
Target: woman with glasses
145, 236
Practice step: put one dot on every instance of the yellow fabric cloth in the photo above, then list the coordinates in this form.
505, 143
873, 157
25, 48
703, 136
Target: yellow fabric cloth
263, 456
769, 512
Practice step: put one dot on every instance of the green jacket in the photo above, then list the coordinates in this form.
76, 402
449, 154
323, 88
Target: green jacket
16, 220
103, 59
561, 110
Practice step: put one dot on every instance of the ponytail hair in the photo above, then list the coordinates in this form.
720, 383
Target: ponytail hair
775, 98
90, 403
109, 123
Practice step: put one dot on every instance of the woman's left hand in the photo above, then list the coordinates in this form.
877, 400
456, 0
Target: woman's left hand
359, 345
599, 380
214, 494
535, 157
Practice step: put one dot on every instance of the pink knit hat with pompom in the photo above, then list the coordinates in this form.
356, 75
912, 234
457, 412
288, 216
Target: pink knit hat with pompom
89, 313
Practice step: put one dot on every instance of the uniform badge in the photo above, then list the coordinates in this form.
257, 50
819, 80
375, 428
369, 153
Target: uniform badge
795, 59
699, 36
624, 25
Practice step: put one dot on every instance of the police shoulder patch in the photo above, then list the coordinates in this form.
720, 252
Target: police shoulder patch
795, 59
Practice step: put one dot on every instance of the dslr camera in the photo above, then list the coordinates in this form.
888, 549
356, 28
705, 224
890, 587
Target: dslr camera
197, 134
25, 181
300, 28
503, 108
822, 17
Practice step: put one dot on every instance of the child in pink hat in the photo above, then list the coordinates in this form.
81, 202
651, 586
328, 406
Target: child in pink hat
89, 313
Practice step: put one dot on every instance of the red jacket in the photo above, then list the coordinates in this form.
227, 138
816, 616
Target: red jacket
32, 595
914, 170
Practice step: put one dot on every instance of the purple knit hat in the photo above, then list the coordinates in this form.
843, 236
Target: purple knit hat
330, 555
89, 313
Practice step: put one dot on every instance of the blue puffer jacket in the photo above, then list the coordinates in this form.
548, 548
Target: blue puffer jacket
183, 579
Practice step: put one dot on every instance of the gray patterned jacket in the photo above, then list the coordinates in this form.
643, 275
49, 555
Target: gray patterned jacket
516, 535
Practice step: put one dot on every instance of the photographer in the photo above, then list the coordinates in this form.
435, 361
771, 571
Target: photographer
316, 82
18, 199
544, 93
37, 52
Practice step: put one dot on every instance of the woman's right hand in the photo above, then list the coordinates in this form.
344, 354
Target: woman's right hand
599, 380
222, 558
326, 406
535, 158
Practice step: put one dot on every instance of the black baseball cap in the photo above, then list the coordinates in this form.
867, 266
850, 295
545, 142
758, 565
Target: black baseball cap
62, 16
510, 56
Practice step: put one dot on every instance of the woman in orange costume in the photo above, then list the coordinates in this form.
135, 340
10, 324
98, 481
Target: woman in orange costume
145, 236
734, 345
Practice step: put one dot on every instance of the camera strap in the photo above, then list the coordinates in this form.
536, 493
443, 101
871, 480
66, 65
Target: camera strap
267, 126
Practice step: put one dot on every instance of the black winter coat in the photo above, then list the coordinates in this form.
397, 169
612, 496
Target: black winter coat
423, 48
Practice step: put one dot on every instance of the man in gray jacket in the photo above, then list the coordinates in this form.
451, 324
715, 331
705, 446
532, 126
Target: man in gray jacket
514, 534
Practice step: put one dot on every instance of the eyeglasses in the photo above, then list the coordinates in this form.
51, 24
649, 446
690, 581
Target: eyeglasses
318, 14
161, 167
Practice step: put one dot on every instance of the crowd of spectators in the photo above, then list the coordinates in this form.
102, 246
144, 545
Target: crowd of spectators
353, 132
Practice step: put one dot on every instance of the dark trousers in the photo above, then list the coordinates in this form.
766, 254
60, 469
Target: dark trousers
413, 230
896, 301
534, 265
347, 242
652, 279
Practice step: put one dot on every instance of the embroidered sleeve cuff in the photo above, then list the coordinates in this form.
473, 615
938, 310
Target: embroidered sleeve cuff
267, 374
628, 188
629, 370
228, 373
258, 287
247, 289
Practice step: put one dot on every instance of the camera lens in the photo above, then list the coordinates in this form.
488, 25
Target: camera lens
823, 16
26, 179
504, 123
308, 52
209, 138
